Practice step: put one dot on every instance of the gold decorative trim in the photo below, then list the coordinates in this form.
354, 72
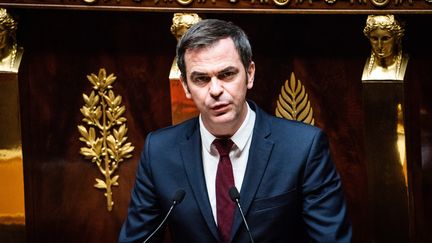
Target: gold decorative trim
236, 6
293, 102
102, 112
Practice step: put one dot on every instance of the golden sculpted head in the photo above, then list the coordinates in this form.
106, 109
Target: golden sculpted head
385, 34
182, 22
8, 28
388, 22
10, 53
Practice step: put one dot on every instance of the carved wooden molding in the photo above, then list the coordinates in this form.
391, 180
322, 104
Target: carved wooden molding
248, 6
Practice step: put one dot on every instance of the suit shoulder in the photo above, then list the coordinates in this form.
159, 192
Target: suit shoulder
292, 126
174, 132
295, 133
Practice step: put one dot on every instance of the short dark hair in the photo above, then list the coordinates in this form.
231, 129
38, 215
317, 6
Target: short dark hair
206, 33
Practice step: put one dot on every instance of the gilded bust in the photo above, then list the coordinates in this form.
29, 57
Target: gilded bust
181, 22
386, 62
10, 53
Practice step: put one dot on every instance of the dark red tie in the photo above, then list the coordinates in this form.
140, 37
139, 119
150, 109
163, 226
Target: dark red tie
224, 181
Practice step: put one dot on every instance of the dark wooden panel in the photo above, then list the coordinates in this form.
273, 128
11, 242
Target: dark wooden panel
419, 96
61, 48
330, 69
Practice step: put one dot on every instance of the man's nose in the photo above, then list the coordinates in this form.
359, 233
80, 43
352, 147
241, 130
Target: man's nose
215, 87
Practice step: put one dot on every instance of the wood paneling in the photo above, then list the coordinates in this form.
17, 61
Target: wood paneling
62, 47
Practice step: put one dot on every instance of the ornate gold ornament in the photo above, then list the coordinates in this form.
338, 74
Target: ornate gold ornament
281, 2
293, 102
380, 3
103, 114
90, 1
184, 2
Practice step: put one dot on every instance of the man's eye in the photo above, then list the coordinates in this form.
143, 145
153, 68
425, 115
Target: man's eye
201, 79
226, 75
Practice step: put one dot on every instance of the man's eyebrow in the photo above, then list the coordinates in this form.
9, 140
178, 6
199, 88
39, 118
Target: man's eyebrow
229, 69
195, 74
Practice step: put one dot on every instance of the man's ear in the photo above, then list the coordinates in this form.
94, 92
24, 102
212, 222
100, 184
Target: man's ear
185, 87
250, 75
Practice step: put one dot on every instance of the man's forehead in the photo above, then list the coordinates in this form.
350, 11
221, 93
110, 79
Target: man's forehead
220, 49
227, 41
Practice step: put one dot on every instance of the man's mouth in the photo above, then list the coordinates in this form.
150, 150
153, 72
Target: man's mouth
220, 107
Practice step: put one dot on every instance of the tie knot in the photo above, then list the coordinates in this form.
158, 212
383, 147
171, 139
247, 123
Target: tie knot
223, 146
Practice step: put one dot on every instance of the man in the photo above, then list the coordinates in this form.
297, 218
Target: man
289, 188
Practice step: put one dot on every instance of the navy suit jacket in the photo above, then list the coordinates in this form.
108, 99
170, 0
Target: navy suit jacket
291, 191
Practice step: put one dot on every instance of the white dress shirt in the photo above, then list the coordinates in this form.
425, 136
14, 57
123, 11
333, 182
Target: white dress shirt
239, 155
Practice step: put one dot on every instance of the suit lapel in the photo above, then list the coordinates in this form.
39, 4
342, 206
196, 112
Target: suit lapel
259, 154
190, 151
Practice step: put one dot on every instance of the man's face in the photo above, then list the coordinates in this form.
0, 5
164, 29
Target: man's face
382, 42
217, 83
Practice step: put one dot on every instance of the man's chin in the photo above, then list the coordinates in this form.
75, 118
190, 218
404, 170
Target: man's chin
222, 119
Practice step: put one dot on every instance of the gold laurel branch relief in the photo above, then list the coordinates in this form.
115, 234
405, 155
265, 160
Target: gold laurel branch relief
293, 102
105, 137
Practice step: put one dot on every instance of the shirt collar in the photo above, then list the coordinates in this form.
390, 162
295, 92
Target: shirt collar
240, 138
